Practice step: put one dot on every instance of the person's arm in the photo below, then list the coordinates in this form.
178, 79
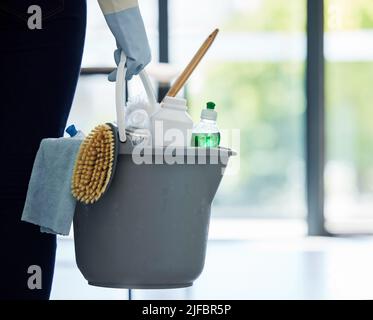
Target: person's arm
125, 22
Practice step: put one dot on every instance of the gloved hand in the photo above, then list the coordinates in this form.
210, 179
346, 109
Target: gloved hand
125, 22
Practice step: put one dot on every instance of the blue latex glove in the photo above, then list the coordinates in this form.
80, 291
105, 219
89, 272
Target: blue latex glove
125, 22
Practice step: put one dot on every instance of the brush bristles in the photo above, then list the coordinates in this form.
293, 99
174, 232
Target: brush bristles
94, 165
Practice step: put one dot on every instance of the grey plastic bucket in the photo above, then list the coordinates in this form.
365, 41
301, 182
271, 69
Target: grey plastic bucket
150, 229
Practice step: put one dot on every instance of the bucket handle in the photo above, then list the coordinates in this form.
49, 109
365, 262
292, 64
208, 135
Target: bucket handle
120, 94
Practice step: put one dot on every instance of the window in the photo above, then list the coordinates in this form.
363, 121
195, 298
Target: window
349, 114
258, 87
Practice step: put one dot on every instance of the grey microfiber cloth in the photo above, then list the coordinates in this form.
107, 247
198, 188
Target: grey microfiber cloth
49, 202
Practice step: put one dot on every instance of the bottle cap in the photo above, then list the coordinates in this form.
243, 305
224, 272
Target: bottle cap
210, 105
71, 130
209, 113
174, 103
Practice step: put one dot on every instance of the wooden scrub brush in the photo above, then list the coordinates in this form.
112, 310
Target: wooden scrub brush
95, 164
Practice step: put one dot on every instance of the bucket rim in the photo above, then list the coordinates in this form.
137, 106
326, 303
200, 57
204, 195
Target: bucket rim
127, 148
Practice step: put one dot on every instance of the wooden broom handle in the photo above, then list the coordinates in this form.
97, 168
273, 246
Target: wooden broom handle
180, 81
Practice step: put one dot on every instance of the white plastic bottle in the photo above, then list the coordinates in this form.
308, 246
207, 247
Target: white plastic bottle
172, 124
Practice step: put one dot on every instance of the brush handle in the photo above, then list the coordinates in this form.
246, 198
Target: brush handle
120, 94
182, 79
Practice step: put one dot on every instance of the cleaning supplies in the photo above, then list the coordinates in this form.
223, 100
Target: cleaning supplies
206, 133
95, 164
138, 127
137, 120
172, 124
73, 133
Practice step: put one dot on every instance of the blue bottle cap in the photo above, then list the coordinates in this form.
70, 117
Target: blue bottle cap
71, 130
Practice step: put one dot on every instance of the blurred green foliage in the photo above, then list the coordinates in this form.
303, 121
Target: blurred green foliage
349, 99
344, 15
269, 15
290, 15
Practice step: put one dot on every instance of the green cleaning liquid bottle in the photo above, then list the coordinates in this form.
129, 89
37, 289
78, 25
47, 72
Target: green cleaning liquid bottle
206, 133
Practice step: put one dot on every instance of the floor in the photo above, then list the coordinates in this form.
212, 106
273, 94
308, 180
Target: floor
293, 267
